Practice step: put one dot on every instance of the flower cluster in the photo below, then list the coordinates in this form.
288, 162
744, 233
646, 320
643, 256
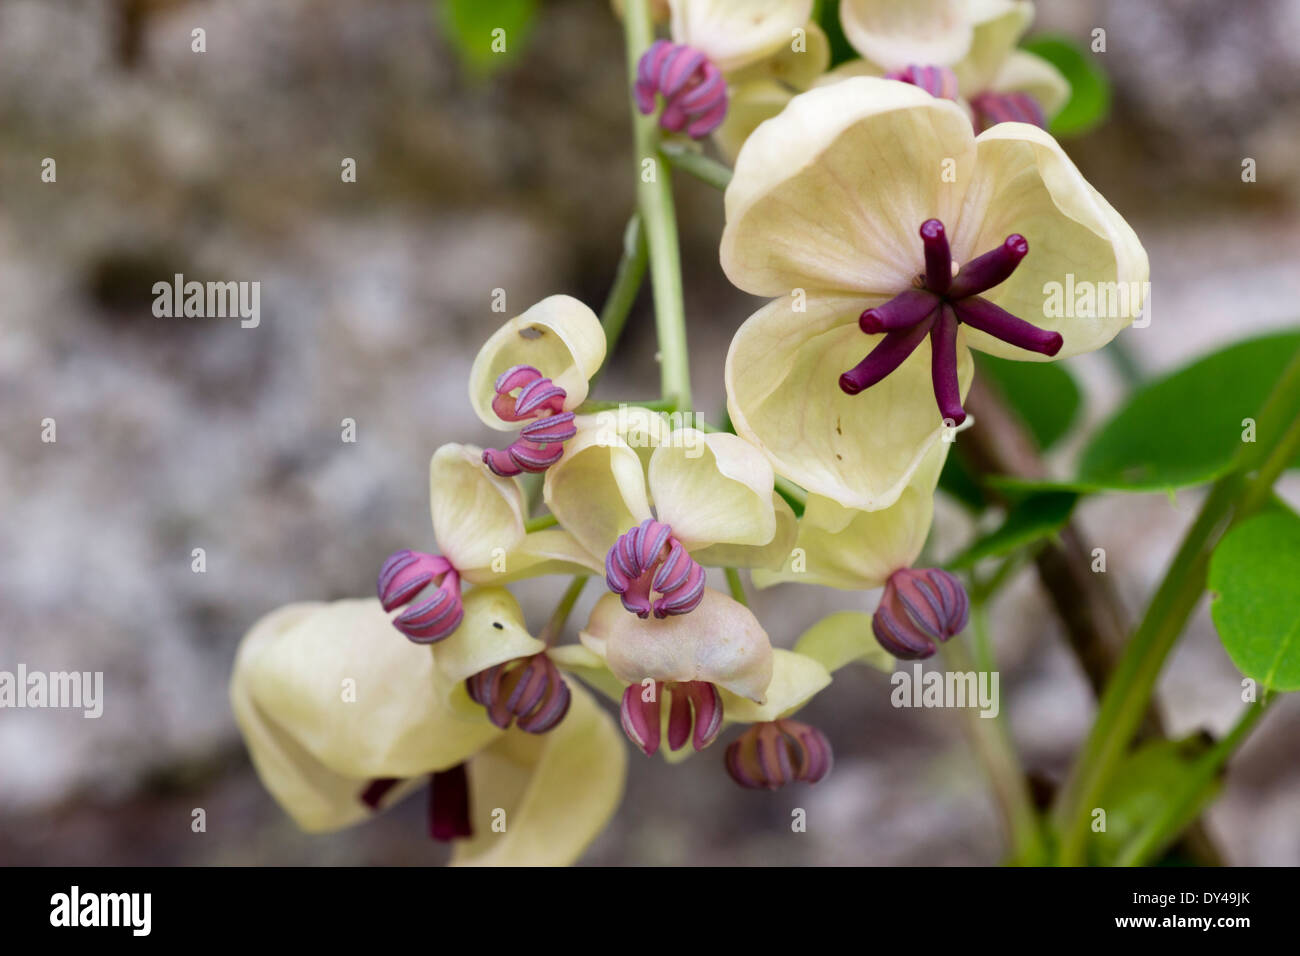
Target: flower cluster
892, 237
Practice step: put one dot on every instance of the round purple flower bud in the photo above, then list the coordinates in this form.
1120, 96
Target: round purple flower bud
920, 609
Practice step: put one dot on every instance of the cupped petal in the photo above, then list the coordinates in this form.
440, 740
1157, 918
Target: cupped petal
997, 27
559, 336
712, 489
855, 550
771, 555
783, 394
1024, 72
829, 194
540, 799
842, 638
795, 66
477, 516
589, 667
898, 33
356, 696
539, 553
749, 104
492, 632
720, 642
734, 35
316, 797
597, 490
796, 679
1024, 183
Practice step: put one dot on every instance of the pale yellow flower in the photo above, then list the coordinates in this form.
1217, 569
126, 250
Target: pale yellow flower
824, 212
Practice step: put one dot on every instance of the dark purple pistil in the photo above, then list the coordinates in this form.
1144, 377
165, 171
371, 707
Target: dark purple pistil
943, 302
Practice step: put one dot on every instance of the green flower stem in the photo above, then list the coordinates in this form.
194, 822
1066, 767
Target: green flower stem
994, 748
627, 283
541, 522
1180, 807
655, 201
560, 616
737, 586
696, 164
1128, 693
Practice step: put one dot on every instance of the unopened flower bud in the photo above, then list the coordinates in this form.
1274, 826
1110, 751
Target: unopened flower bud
527, 691
773, 753
920, 609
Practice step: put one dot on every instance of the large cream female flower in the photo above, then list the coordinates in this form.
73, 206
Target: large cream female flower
970, 42
889, 230
342, 718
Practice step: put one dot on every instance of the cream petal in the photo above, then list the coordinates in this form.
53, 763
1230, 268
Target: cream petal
1023, 72
539, 553
796, 679
597, 490
588, 666
477, 516
783, 394
1024, 183
748, 105
492, 632
357, 696
998, 26
771, 555
712, 489
828, 195
557, 790
898, 33
790, 68
842, 638
854, 550
734, 35
559, 336
720, 641
317, 798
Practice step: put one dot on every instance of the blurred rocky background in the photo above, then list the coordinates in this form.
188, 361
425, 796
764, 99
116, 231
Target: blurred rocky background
176, 434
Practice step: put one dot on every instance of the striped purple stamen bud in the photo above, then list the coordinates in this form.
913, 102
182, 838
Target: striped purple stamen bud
939, 304
771, 754
694, 714
647, 561
528, 692
920, 609
693, 89
993, 108
403, 577
523, 393
938, 81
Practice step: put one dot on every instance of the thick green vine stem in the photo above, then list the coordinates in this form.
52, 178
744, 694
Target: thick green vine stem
560, 616
1233, 497
996, 752
655, 202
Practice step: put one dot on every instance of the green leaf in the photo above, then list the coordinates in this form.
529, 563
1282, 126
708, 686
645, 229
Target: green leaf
1146, 784
1030, 520
957, 481
827, 15
471, 27
1043, 394
1183, 429
1255, 580
1089, 101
